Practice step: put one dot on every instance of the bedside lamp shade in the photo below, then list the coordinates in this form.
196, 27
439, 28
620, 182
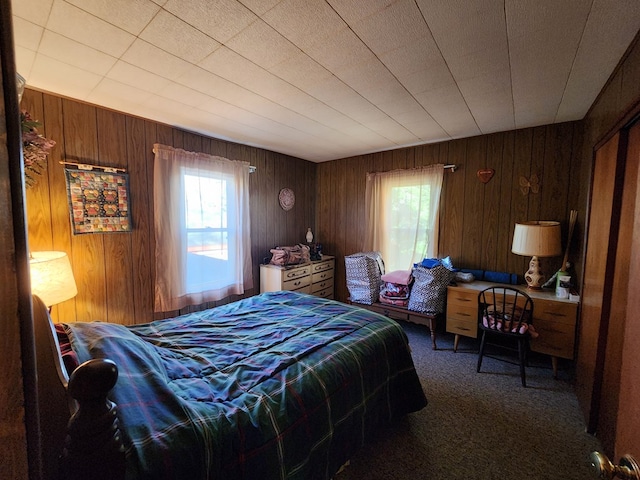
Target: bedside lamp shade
51, 277
538, 239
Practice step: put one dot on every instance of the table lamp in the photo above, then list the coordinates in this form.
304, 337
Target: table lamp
538, 239
51, 277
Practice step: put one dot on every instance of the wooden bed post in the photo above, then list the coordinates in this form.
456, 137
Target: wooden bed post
93, 448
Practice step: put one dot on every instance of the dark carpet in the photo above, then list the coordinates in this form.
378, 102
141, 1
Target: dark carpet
481, 425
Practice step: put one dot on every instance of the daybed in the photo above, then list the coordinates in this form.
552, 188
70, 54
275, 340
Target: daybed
281, 385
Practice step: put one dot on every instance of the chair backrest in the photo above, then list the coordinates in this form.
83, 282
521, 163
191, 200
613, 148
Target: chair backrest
505, 309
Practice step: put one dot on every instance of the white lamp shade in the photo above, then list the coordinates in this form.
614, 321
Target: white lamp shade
540, 239
51, 277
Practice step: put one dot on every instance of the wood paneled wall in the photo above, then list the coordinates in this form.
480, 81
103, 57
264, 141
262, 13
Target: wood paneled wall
115, 272
476, 219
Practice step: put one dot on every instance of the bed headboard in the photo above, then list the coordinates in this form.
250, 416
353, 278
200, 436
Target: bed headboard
78, 423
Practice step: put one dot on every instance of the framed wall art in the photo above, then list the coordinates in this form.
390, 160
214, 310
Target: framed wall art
98, 200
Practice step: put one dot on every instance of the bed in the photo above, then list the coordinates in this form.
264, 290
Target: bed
279, 385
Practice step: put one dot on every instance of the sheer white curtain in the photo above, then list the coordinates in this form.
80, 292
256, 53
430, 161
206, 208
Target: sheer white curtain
202, 228
402, 215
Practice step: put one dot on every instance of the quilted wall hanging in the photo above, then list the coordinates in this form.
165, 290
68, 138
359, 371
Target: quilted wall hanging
98, 200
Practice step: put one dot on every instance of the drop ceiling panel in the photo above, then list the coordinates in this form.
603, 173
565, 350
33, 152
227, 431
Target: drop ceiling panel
325, 79
263, 45
118, 95
129, 15
221, 20
154, 60
603, 34
49, 73
84, 28
27, 34
177, 37
137, 77
35, 11
75, 54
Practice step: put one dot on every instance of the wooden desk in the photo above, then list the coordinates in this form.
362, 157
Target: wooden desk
554, 319
400, 313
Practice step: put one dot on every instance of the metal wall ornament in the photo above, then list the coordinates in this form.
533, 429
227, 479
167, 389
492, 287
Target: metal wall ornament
531, 185
485, 174
287, 199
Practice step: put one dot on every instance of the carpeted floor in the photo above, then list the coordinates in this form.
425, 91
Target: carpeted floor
481, 425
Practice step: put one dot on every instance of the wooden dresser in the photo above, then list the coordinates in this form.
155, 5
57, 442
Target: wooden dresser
553, 318
315, 278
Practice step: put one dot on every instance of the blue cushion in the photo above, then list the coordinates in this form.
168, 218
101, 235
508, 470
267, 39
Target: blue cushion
501, 277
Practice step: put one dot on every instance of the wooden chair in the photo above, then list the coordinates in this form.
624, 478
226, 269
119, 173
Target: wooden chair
504, 317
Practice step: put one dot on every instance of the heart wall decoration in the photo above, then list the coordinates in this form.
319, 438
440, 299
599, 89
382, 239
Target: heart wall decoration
485, 174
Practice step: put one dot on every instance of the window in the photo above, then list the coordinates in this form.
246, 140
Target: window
201, 210
402, 212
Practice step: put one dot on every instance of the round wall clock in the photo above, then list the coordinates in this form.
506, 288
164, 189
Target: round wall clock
287, 198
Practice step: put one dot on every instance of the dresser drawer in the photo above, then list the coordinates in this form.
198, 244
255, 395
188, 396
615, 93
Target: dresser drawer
554, 338
462, 312
297, 283
459, 297
322, 266
466, 327
322, 285
295, 273
556, 312
322, 275
324, 293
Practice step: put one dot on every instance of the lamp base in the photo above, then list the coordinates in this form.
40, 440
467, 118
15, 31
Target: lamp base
534, 277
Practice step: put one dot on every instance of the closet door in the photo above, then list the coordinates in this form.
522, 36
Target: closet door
627, 439
609, 320
606, 187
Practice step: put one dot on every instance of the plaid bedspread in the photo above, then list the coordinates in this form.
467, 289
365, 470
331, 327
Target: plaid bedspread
277, 386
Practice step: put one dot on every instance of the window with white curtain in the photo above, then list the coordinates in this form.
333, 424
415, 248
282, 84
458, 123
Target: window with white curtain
402, 215
203, 242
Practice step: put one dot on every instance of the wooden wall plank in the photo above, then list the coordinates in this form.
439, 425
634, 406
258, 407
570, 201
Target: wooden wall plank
117, 246
115, 272
451, 209
474, 203
504, 176
492, 211
87, 250
329, 197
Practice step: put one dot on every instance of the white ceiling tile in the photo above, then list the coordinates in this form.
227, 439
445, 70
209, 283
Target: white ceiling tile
338, 49
173, 35
117, 95
326, 79
182, 94
220, 19
130, 15
603, 33
449, 109
137, 77
87, 29
396, 26
260, 7
24, 62
304, 21
152, 59
26, 34
211, 84
301, 70
352, 11
35, 11
52, 75
261, 44
76, 54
